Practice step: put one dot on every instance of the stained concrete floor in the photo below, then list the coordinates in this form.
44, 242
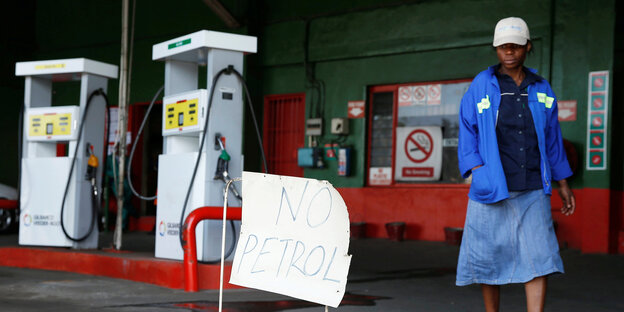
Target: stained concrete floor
384, 276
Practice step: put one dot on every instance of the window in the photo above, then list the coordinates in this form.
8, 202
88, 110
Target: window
413, 132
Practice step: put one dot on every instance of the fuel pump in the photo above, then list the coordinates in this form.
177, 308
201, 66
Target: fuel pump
202, 136
59, 191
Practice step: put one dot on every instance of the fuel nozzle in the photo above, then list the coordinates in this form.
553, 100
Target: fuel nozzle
221, 173
92, 165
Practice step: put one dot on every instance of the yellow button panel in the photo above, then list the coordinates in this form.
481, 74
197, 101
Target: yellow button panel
52, 123
183, 113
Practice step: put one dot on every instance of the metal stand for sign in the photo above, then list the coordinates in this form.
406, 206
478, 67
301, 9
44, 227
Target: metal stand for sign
225, 201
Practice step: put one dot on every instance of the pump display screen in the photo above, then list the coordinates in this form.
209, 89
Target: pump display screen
181, 114
50, 125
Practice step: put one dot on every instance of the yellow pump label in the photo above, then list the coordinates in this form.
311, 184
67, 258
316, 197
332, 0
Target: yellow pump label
50, 124
181, 114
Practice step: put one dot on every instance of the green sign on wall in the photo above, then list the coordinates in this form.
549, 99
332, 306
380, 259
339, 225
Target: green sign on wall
597, 113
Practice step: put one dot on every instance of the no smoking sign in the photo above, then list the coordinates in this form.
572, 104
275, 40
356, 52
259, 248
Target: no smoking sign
418, 153
418, 146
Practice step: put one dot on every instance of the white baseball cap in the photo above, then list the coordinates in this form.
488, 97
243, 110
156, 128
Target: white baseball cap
511, 30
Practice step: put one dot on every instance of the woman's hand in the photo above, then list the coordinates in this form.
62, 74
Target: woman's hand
567, 197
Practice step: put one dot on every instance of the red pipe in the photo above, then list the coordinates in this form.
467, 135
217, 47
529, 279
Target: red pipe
191, 280
8, 204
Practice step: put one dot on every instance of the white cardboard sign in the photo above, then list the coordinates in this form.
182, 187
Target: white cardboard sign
294, 238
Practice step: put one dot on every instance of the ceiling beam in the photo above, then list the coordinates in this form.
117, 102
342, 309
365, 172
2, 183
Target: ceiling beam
222, 13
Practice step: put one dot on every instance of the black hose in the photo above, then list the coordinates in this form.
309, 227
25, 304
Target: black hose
253, 116
229, 70
213, 87
105, 160
134, 145
95, 201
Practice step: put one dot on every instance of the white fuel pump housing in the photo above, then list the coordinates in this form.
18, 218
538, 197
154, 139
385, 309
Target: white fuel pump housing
44, 175
183, 134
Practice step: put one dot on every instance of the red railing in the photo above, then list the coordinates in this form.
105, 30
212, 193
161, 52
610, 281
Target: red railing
8, 204
191, 279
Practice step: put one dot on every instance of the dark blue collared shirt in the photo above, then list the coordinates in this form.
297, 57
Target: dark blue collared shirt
515, 132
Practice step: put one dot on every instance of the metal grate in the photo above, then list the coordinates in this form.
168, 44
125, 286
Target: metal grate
284, 132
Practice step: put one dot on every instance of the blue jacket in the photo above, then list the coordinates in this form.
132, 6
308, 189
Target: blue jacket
478, 114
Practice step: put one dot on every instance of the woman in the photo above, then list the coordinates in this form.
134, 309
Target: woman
510, 141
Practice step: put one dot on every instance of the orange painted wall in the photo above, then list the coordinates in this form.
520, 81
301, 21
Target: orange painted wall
427, 209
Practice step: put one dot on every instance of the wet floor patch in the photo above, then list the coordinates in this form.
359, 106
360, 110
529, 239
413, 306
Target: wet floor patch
404, 274
260, 306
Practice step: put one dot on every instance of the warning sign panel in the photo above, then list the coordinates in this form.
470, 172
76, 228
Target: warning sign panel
567, 110
380, 176
598, 110
420, 95
418, 153
418, 145
355, 109
405, 96
434, 94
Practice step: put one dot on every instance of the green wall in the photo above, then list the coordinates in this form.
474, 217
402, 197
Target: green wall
351, 46
617, 142
59, 29
373, 43
584, 42
17, 44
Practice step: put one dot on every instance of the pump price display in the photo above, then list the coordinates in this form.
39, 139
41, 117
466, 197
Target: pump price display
52, 123
183, 113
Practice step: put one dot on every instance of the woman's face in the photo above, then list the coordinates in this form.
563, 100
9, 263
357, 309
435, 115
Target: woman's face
511, 56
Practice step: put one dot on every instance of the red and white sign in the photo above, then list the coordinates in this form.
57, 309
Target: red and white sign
418, 146
597, 121
330, 150
418, 172
597, 102
420, 95
355, 109
596, 140
598, 112
380, 176
567, 110
596, 160
418, 153
434, 94
405, 96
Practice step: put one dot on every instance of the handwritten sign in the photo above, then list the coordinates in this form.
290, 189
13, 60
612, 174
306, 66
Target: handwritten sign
294, 238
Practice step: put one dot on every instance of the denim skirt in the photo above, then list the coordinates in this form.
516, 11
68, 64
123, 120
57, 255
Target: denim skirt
511, 241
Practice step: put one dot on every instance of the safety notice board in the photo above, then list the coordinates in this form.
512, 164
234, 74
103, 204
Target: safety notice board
418, 153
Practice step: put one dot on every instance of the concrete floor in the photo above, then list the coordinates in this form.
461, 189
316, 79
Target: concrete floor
384, 276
